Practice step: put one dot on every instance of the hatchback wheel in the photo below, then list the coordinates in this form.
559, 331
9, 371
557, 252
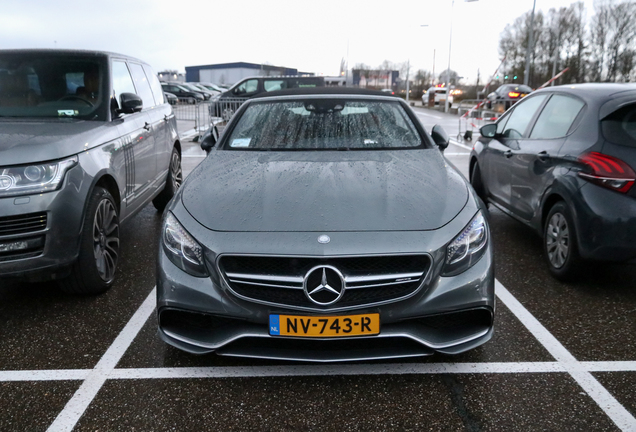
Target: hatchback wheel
94, 270
477, 183
559, 243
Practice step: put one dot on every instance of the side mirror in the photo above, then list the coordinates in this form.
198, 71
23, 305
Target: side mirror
440, 137
209, 139
488, 131
130, 103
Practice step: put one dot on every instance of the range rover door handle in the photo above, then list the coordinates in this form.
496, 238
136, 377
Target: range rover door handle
543, 156
147, 126
508, 153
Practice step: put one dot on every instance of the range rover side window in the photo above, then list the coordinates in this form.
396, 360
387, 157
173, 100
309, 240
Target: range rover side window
122, 81
155, 85
142, 85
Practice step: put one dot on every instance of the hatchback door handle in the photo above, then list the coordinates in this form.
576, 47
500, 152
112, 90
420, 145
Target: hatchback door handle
543, 156
508, 153
166, 118
147, 126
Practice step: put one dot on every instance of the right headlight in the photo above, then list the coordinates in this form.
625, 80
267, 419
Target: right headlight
466, 249
181, 248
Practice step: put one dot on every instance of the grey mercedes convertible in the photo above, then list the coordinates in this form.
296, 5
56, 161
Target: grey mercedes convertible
325, 225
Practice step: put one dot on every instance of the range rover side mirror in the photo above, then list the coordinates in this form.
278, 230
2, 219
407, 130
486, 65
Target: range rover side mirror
130, 103
488, 131
209, 139
440, 137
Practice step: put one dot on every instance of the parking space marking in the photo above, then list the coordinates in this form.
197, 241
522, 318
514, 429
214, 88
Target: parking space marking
45, 375
419, 113
608, 403
94, 379
458, 144
77, 405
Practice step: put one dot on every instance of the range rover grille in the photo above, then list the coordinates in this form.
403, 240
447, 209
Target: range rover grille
22, 224
369, 280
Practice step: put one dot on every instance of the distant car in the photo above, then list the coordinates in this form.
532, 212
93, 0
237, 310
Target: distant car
207, 94
182, 92
171, 98
506, 96
87, 140
325, 225
563, 162
388, 90
436, 96
212, 87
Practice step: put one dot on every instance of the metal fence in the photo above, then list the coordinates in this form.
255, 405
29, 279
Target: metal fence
472, 116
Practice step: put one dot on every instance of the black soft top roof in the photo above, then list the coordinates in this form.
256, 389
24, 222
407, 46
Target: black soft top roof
322, 91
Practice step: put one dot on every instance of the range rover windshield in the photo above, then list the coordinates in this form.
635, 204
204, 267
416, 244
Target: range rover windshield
324, 124
46, 85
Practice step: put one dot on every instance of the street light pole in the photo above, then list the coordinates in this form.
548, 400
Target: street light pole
450, 44
526, 75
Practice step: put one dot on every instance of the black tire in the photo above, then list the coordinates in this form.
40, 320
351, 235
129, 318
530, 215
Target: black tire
559, 243
173, 182
95, 268
477, 182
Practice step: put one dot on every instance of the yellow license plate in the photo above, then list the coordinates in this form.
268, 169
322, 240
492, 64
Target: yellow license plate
324, 326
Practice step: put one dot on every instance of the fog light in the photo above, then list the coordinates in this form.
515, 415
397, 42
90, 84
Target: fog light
13, 246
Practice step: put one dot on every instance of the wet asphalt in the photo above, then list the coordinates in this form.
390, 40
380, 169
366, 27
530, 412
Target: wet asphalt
42, 329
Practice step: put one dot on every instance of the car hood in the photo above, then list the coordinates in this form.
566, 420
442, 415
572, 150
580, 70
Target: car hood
28, 141
324, 191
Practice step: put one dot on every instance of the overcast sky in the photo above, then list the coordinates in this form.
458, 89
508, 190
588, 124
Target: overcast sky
312, 36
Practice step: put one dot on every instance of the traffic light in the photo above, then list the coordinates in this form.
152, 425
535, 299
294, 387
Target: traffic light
514, 77
506, 77
497, 76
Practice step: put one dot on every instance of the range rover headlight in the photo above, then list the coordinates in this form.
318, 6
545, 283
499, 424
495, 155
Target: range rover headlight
34, 178
466, 249
181, 248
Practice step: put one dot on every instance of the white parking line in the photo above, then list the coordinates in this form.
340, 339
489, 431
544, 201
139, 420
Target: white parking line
75, 407
460, 144
614, 410
419, 113
95, 378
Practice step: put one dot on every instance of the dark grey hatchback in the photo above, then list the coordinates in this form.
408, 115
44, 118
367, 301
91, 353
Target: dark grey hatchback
562, 161
86, 141
325, 225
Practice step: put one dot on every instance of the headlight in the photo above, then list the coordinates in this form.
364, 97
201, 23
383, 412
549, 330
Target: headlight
466, 249
181, 248
34, 178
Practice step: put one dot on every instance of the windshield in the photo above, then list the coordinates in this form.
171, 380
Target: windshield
324, 124
52, 85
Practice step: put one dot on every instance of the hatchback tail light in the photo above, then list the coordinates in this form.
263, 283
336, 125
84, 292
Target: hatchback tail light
607, 171
513, 94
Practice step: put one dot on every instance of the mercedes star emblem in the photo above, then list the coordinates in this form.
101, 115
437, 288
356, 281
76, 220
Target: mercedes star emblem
324, 285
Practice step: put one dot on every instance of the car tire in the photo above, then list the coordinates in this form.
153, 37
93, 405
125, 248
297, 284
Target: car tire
559, 243
173, 182
95, 268
477, 182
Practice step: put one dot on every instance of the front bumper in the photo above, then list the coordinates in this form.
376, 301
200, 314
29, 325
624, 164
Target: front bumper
201, 315
49, 224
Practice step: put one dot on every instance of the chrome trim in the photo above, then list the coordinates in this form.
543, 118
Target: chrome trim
353, 279
266, 285
380, 284
296, 279
227, 286
422, 341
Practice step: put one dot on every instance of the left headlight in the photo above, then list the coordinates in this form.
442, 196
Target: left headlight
466, 249
181, 248
34, 178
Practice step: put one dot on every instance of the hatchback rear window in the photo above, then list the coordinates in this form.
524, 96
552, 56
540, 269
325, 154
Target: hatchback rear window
620, 126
